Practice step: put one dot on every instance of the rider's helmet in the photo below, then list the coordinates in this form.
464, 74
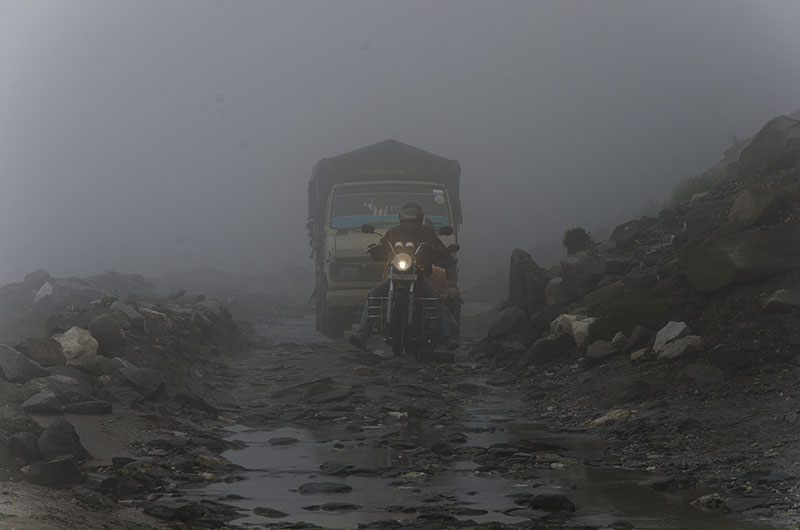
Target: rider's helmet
411, 213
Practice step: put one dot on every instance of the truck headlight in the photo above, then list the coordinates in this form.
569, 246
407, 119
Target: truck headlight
402, 262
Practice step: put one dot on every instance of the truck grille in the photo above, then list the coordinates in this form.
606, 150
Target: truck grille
357, 271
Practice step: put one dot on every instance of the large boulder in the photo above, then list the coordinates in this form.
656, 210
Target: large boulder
127, 313
624, 235
65, 388
758, 206
59, 439
783, 301
579, 327
16, 367
526, 283
60, 471
551, 348
672, 331
47, 352
724, 259
106, 330
581, 272
77, 344
508, 321
681, 348
776, 147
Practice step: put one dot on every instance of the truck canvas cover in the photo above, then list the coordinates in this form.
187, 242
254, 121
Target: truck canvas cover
387, 160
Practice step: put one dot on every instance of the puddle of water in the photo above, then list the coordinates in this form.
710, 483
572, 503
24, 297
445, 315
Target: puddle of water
279, 470
602, 495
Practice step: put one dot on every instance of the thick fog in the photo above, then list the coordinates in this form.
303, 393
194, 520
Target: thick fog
154, 136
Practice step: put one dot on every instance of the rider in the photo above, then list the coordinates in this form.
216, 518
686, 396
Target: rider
411, 230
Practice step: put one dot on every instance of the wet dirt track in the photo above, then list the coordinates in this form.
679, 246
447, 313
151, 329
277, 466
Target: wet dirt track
338, 438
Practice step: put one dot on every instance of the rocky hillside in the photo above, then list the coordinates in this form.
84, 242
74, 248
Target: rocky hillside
725, 264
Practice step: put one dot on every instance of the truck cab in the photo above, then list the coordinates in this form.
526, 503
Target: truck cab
369, 186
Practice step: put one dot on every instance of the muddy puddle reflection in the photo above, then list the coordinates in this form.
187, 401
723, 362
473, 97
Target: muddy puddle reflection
385, 487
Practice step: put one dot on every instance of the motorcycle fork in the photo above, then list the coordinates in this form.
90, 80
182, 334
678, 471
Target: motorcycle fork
410, 303
389, 303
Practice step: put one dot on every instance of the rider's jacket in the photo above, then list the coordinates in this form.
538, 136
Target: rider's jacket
406, 238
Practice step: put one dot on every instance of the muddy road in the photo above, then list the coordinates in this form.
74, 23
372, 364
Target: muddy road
328, 436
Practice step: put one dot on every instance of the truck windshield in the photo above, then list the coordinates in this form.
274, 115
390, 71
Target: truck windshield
354, 205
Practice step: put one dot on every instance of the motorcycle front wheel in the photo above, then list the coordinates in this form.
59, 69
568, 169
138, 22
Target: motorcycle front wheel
397, 326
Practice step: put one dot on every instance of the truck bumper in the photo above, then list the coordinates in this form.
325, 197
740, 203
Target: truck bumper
347, 299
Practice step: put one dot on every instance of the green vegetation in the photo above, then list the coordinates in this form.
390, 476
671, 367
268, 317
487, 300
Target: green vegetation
577, 239
696, 184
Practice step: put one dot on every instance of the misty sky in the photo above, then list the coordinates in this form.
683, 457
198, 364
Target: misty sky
147, 136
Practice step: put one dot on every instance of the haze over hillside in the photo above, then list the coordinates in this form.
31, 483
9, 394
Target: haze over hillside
151, 137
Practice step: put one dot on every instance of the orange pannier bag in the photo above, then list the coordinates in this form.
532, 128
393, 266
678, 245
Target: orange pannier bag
439, 280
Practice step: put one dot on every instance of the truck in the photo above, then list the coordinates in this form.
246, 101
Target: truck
368, 185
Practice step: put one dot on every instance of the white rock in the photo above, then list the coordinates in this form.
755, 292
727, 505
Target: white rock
672, 331
78, 344
44, 291
577, 326
680, 347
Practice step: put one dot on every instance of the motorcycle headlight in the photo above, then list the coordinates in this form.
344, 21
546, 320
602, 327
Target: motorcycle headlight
402, 262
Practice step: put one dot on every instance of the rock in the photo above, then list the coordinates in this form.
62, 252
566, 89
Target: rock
59, 439
46, 290
97, 365
624, 235
581, 272
77, 344
644, 354
23, 445
16, 367
758, 206
46, 352
712, 502
335, 507
508, 321
127, 314
579, 327
669, 333
59, 471
157, 323
107, 332
191, 299
526, 283
551, 348
36, 278
606, 293
702, 375
312, 488
65, 388
639, 336
681, 348
45, 402
619, 341
269, 512
783, 301
282, 441
729, 258
197, 403
557, 294
89, 408
599, 350
85, 381
145, 381
552, 503
775, 147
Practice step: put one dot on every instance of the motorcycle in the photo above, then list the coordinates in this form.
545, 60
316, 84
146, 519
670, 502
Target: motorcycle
407, 321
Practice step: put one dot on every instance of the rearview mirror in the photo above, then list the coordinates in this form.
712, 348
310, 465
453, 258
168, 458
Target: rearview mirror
455, 247
445, 230
368, 228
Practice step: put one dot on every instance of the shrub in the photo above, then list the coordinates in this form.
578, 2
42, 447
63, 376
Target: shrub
577, 239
